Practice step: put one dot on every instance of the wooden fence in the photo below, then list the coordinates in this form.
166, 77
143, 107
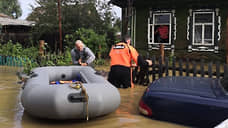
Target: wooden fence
180, 67
11, 61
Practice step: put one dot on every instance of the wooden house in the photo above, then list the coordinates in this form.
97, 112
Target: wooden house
14, 29
188, 26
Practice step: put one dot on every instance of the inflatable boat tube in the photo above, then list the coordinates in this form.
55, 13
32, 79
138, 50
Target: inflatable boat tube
89, 96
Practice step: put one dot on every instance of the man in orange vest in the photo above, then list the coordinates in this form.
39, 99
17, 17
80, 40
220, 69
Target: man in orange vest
121, 56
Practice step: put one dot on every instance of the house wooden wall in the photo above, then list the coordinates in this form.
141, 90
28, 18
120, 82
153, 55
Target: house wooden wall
181, 13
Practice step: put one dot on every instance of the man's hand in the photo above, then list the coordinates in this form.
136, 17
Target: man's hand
80, 61
133, 65
149, 62
84, 64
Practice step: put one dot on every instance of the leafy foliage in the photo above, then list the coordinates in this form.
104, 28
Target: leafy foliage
75, 14
10, 8
100, 62
30, 58
96, 42
88, 14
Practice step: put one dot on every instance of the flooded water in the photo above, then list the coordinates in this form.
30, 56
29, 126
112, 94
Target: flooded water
12, 114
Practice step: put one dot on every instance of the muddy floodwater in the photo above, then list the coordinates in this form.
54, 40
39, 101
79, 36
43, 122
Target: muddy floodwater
12, 114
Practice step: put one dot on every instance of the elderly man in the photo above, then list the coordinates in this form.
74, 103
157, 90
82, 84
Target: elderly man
82, 55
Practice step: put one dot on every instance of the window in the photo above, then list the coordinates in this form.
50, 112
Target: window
203, 30
160, 29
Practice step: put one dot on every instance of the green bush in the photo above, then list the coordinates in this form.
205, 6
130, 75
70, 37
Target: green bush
28, 64
99, 62
30, 58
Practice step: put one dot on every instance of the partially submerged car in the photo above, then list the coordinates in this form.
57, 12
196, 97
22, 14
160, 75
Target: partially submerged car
192, 101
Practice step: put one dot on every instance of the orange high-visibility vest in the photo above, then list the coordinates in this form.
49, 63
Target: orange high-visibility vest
122, 54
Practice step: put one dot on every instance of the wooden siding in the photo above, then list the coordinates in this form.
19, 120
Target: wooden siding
171, 3
181, 42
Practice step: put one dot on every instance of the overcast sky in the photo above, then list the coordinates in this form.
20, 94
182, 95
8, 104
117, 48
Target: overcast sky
26, 9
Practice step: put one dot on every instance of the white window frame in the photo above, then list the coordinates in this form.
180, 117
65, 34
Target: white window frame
203, 28
152, 26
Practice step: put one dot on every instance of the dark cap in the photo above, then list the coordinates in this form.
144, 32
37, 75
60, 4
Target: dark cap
125, 38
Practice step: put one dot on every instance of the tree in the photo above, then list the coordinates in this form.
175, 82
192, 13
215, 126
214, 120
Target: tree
111, 24
88, 14
82, 15
10, 8
75, 14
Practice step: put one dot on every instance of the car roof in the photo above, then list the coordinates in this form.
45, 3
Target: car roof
199, 86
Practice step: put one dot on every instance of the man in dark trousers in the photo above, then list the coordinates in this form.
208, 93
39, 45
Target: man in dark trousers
122, 54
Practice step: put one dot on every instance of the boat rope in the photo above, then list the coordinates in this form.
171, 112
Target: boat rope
23, 78
78, 85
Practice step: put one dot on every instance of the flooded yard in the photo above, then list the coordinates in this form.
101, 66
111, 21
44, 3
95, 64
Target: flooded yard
12, 114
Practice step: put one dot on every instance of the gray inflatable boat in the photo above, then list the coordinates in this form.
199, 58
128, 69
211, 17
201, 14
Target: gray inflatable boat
88, 96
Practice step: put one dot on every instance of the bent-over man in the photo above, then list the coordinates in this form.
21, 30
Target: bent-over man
121, 56
82, 55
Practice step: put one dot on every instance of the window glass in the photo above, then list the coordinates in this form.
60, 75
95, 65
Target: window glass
208, 34
208, 31
198, 34
203, 18
162, 19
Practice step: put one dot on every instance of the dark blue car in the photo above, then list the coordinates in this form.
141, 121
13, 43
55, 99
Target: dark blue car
192, 101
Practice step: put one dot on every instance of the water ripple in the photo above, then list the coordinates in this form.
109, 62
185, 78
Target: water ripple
3, 119
19, 112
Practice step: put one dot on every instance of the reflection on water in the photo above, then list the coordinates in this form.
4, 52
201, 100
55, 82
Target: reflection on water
12, 114
8, 96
